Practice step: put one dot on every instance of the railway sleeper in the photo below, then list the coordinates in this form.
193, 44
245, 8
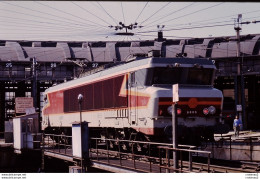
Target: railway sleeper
201, 169
251, 165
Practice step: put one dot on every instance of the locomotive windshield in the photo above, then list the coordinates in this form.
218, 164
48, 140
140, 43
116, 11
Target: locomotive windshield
194, 76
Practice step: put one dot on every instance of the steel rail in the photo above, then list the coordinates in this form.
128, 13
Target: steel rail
196, 167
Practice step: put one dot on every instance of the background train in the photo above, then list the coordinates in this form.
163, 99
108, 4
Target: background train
133, 101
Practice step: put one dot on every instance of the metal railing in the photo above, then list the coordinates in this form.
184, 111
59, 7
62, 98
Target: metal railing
168, 165
229, 144
131, 153
147, 158
61, 144
134, 155
32, 142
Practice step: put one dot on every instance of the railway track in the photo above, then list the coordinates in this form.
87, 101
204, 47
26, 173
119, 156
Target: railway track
104, 155
199, 167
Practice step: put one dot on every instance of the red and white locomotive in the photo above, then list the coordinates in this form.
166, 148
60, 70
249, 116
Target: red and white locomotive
134, 100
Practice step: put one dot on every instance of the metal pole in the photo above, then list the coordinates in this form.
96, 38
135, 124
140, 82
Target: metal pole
107, 151
43, 148
160, 165
240, 78
97, 147
251, 149
190, 161
119, 154
34, 83
175, 135
65, 143
53, 142
181, 160
80, 99
230, 146
168, 160
208, 163
150, 162
59, 142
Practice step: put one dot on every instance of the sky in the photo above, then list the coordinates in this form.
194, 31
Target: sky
97, 20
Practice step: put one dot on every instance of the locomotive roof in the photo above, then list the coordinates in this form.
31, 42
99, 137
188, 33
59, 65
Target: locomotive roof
138, 63
201, 61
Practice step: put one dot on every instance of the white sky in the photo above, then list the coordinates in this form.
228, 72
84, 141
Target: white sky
89, 20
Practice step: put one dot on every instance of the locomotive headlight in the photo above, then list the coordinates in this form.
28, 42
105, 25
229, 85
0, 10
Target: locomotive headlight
169, 109
206, 111
178, 111
212, 110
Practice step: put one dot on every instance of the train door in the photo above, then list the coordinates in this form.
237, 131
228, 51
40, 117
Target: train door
132, 99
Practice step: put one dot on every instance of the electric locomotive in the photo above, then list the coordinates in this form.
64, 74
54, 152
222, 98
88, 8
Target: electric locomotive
133, 101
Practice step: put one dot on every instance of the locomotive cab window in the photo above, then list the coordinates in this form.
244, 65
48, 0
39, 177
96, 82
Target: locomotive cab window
132, 79
200, 76
138, 78
168, 76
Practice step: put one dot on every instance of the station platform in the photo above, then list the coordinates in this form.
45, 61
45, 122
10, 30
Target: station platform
245, 147
244, 134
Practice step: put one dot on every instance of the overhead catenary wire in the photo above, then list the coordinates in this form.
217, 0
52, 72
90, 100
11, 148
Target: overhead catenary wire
206, 20
200, 24
123, 12
45, 13
47, 18
116, 21
141, 11
188, 14
46, 32
41, 17
41, 24
155, 13
53, 36
86, 28
68, 13
195, 27
169, 14
194, 12
155, 36
89, 12
31, 27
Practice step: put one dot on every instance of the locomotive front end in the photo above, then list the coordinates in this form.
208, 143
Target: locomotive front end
198, 113
199, 107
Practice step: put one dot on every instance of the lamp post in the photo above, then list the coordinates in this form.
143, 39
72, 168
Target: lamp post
175, 99
240, 91
80, 99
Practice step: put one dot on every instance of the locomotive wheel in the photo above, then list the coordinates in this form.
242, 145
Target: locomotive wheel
111, 144
140, 148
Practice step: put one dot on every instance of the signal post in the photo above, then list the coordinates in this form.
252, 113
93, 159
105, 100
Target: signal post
175, 99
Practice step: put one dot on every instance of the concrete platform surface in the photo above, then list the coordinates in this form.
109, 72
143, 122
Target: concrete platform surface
244, 134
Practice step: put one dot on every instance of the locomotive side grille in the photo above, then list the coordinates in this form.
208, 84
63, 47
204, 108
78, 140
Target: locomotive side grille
98, 95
